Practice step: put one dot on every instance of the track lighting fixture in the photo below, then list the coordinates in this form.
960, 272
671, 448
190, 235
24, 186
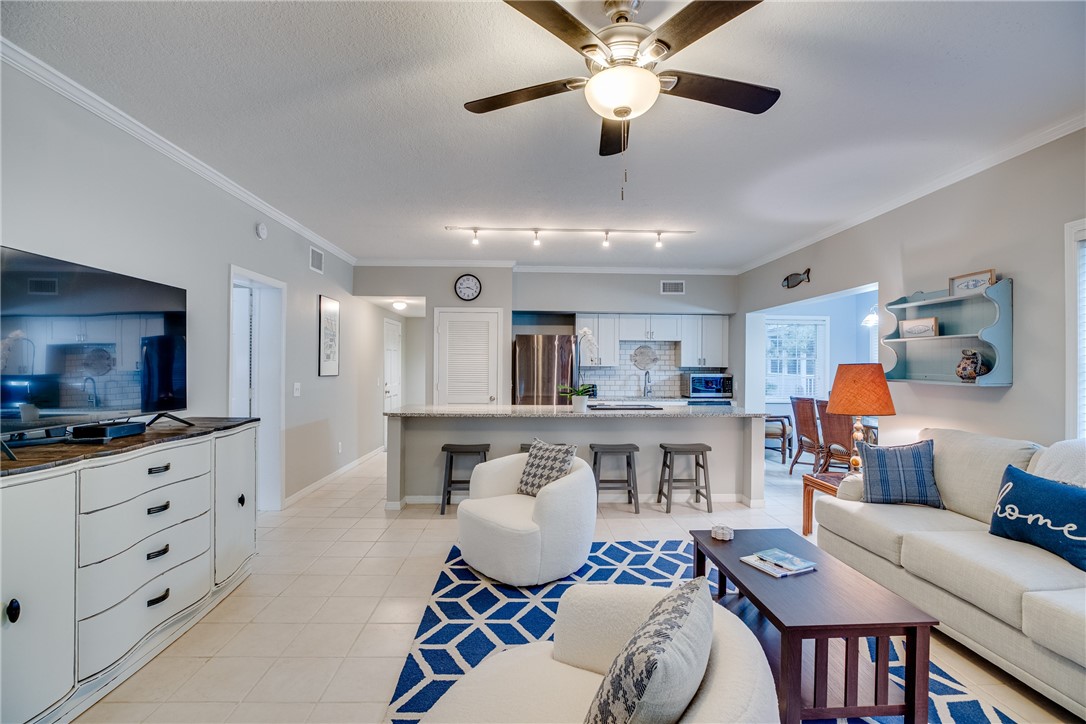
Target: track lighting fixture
606, 239
535, 242
536, 231
475, 237
659, 243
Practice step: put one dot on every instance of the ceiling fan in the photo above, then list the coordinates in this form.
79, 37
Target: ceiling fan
620, 58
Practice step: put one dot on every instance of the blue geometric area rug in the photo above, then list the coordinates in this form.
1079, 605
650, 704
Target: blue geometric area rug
470, 617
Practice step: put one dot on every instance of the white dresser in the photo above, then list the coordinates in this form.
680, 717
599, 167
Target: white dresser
108, 558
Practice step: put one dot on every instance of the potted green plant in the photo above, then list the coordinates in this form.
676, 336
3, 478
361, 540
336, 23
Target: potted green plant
579, 396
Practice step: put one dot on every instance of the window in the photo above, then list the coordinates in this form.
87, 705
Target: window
1076, 328
796, 357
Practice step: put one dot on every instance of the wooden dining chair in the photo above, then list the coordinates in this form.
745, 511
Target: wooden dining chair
836, 437
807, 437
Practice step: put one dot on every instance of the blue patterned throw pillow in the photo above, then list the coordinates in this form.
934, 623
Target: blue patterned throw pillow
654, 678
1042, 512
902, 474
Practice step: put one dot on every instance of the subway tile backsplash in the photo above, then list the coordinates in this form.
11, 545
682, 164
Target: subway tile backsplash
80, 387
628, 381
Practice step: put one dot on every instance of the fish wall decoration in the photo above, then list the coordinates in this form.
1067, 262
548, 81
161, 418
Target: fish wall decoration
795, 279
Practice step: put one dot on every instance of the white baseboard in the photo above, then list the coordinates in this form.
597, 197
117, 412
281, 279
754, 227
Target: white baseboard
759, 503
317, 484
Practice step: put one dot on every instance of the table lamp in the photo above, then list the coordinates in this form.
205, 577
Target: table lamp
858, 390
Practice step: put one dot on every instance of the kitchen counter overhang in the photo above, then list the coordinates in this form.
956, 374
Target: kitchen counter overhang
417, 432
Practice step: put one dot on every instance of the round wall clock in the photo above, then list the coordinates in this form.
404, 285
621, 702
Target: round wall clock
468, 287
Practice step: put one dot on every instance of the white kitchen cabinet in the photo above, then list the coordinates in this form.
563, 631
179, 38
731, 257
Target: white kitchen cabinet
37, 592
235, 501
650, 327
25, 354
704, 341
605, 333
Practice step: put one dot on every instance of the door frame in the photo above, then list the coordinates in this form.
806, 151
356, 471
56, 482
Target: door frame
438, 311
269, 380
384, 365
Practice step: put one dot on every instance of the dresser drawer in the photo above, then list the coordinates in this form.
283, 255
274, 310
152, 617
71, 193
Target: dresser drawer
106, 533
104, 584
108, 636
112, 483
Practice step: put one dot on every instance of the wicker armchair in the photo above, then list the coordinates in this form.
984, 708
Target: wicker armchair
836, 437
807, 437
778, 431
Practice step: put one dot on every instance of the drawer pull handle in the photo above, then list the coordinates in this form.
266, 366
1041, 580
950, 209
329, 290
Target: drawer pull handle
158, 599
14, 610
241, 500
159, 469
159, 508
159, 553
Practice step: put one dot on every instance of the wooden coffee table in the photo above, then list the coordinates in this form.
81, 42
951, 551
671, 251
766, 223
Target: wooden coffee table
831, 609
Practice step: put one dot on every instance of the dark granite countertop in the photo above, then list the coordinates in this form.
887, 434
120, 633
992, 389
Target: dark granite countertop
42, 457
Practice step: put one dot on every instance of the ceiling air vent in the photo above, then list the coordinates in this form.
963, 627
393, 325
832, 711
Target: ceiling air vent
42, 287
672, 286
316, 260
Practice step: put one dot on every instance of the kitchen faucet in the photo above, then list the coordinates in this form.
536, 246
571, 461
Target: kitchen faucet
92, 398
648, 384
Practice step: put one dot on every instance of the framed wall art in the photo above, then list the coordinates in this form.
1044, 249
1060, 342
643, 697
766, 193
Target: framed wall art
976, 282
922, 327
328, 347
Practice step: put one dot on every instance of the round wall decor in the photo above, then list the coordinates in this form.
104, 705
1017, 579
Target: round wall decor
468, 287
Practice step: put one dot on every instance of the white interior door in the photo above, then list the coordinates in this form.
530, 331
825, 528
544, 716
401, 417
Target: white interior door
241, 352
393, 367
467, 359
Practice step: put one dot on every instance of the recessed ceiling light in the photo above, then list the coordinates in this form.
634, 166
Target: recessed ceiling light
399, 306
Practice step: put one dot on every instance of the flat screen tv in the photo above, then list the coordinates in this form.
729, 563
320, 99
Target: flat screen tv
81, 345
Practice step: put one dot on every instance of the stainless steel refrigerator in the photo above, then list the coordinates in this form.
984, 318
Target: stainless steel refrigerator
541, 364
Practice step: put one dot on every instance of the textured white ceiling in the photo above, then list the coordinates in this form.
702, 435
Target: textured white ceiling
349, 116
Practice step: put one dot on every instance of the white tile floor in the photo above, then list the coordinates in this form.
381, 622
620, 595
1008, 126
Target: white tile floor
319, 632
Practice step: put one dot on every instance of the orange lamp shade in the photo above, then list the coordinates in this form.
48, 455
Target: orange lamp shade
860, 389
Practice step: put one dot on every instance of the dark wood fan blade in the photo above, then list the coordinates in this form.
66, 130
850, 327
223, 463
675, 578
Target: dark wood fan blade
614, 137
696, 20
522, 95
741, 96
557, 21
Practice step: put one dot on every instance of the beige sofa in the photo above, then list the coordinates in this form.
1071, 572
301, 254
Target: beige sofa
1017, 605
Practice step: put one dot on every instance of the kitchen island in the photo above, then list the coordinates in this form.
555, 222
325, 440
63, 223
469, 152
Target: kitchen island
736, 469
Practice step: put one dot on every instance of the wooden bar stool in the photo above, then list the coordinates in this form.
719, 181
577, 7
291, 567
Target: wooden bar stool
629, 483
451, 451
699, 483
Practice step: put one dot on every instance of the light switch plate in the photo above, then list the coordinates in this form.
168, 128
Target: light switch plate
297, 389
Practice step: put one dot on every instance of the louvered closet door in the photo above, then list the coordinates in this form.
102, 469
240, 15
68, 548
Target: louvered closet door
467, 358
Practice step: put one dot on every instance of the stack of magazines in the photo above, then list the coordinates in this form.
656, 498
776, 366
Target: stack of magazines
778, 563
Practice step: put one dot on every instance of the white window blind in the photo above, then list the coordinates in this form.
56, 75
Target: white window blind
796, 357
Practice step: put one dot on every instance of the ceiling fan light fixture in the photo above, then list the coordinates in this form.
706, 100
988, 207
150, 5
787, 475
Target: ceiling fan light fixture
622, 92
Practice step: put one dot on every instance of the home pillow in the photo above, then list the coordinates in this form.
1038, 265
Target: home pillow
902, 474
1042, 512
546, 463
655, 676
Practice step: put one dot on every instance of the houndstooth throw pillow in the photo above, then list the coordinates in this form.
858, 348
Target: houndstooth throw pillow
546, 463
654, 678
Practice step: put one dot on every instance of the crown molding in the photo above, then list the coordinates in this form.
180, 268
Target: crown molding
652, 271
1017, 148
453, 263
48, 76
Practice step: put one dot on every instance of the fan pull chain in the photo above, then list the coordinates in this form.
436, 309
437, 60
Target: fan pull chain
625, 171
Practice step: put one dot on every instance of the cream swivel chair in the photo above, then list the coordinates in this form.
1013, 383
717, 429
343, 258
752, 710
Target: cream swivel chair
523, 540
555, 681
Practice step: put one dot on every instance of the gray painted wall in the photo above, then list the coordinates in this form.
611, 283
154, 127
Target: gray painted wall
436, 284
78, 188
1010, 217
558, 292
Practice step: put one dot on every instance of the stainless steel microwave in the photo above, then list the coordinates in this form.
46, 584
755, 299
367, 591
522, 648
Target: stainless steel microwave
706, 384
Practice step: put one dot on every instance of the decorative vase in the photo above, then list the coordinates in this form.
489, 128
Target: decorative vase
971, 366
580, 403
